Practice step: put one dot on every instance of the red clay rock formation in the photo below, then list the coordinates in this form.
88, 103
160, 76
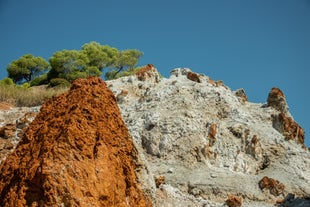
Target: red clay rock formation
212, 134
77, 152
276, 99
8, 131
289, 128
234, 201
160, 180
147, 72
274, 186
212, 131
193, 77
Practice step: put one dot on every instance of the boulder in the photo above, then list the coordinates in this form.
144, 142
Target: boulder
234, 201
273, 186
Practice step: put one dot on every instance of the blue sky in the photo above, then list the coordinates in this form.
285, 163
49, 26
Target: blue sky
250, 44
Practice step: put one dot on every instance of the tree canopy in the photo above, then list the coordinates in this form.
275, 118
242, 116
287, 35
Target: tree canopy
70, 65
26, 68
91, 60
100, 56
126, 59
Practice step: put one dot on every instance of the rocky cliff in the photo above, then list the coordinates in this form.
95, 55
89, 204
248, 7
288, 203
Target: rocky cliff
211, 144
195, 142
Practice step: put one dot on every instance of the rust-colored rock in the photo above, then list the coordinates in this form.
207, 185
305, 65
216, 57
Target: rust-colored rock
274, 186
289, 128
254, 140
276, 99
146, 72
5, 106
8, 131
193, 77
217, 83
77, 152
234, 201
160, 180
212, 133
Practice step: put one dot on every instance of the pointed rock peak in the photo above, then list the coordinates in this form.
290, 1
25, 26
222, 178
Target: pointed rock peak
240, 93
276, 99
148, 72
77, 152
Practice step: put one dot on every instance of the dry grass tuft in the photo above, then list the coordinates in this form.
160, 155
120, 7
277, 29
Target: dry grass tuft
33, 96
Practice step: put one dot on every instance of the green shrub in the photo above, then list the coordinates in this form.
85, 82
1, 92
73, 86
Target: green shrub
25, 85
111, 75
41, 80
6, 81
59, 82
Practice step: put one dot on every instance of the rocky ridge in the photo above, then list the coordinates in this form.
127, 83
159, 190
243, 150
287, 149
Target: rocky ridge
209, 142
202, 144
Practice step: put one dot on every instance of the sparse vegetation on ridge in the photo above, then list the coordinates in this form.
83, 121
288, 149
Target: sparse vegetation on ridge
28, 96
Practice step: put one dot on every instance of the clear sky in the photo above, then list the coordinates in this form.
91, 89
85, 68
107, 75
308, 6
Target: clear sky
250, 44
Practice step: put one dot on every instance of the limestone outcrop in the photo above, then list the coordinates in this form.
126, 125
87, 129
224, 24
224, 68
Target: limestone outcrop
195, 142
210, 142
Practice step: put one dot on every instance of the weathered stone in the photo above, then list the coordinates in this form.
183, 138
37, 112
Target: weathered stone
148, 72
240, 93
234, 201
77, 152
193, 77
288, 127
276, 99
160, 180
212, 134
273, 186
8, 131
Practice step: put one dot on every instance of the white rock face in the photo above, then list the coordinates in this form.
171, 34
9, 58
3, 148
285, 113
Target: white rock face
208, 142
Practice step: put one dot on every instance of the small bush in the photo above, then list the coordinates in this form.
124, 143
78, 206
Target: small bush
6, 81
41, 80
111, 75
59, 82
25, 85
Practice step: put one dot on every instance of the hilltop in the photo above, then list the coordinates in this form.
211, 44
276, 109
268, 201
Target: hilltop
198, 142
